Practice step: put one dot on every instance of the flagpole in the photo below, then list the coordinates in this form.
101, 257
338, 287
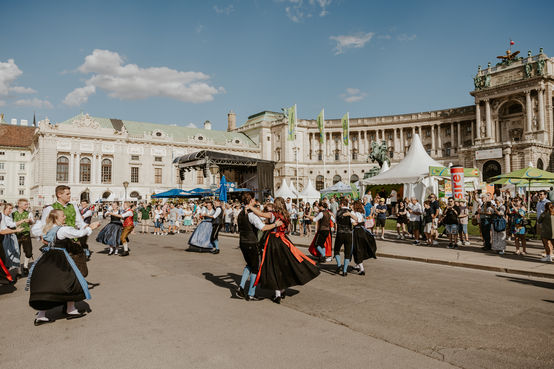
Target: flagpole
297, 150
348, 146
324, 146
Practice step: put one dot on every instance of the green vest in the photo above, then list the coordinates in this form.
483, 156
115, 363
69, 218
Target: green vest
69, 211
17, 216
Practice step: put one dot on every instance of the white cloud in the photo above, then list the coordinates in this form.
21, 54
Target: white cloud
405, 37
351, 41
353, 95
35, 103
131, 82
79, 95
9, 72
297, 10
224, 9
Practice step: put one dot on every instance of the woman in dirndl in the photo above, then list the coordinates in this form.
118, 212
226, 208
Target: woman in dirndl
201, 236
110, 235
282, 264
363, 242
54, 279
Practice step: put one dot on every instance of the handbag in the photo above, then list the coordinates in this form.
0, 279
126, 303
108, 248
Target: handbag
369, 223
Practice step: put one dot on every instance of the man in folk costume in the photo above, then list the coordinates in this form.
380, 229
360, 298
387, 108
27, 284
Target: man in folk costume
73, 216
248, 225
322, 243
344, 237
23, 218
128, 226
86, 214
217, 223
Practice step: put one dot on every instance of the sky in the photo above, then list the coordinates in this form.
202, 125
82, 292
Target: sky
184, 62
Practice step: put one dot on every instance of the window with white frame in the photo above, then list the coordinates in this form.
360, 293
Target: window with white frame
1, 166
134, 174
22, 180
22, 192
21, 166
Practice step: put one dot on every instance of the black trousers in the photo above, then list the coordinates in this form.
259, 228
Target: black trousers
321, 237
215, 232
344, 239
83, 242
251, 254
26, 244
486, 232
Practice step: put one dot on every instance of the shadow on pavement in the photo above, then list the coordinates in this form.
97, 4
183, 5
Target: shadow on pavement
532, 282
231, 282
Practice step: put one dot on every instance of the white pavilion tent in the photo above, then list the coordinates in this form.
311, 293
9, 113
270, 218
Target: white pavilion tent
412, 172
284, 191
310, 194
294, 190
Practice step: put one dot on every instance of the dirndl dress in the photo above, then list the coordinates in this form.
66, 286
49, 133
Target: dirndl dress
111, 233
11, 255
201, 235
5, 275
54, 278
363, 244
283, 265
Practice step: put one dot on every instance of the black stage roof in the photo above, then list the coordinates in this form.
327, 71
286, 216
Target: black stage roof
199, 159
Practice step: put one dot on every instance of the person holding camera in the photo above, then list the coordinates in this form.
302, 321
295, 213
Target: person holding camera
450, 220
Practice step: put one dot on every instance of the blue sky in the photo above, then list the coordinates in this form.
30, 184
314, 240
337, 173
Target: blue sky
189, 61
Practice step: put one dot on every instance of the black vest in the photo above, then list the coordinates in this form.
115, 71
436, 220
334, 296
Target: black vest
219, 219
344, 224
248, 232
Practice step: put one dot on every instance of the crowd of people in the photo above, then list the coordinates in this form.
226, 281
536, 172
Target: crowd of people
57, 275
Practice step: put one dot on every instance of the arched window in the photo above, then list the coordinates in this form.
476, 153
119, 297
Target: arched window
106, 171
84, 170
319, 184
106, 195
354, 178
62, 169
540, 164
336, 179
85, 196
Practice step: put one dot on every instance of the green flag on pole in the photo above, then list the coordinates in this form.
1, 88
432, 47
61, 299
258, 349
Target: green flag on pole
292, 122
345, 128
321, 126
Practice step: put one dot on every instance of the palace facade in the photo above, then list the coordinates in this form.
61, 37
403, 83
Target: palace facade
509, 126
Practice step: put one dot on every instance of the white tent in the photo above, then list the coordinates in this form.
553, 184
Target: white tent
310, 194
284, 191
384, 168
293, 189
338, 187
412, 172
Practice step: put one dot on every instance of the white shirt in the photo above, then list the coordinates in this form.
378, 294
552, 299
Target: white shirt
415, 207
70, 232
255, 221
360, 217
393, 196
128, 213
7, 222
217, 212
320, 215
87, 214
79, 223
288, 205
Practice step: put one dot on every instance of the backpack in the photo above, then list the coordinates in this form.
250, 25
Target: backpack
499, 224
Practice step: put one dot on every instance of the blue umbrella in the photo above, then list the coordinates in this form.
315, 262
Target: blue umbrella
223, 189
171, 193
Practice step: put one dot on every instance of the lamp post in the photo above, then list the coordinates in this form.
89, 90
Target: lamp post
214, 169
125, 185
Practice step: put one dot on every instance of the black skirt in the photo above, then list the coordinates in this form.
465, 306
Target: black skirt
54, 282
283, 265
110, 235
364, 246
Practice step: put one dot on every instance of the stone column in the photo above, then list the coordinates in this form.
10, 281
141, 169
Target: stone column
459, 134
413, 132
529, 112
488, 122
477, 121
498, 133
77, 167
507, 159
541, 108
70, 169
402, 140
99, 173
439, 141
433, 147
472, 134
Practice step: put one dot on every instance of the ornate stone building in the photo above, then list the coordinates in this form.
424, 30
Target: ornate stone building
509, 127
97, 156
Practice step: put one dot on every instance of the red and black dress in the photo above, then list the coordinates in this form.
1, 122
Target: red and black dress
283, 265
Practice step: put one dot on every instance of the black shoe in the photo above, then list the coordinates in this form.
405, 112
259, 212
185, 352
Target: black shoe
215, 251
124, 253
362, 272
24, 272
276, 299
339, 270
241, 293
344, 274
485, 248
